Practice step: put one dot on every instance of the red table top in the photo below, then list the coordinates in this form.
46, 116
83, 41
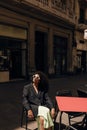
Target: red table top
72, 104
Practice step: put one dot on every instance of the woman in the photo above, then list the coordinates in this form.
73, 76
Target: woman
37, 102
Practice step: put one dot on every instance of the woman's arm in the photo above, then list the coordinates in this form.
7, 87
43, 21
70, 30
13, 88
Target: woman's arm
50, 104
25, 97
26, 102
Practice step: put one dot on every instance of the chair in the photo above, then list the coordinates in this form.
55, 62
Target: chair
71, 115
24, 114
83, 93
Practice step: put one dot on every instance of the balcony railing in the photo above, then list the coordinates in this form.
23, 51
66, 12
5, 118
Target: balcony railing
55, 7
44, 2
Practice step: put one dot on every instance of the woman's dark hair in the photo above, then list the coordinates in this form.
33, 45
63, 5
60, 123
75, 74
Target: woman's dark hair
44, 83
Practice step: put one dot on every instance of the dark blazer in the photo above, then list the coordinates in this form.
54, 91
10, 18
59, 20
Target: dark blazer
31, 100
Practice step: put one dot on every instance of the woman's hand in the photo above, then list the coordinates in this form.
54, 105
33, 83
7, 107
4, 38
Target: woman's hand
53, 113
30, 114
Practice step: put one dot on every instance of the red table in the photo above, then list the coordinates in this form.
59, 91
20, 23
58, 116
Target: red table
71, 104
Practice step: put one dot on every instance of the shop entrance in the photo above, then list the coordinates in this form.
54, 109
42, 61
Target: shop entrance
41, 51
60, 55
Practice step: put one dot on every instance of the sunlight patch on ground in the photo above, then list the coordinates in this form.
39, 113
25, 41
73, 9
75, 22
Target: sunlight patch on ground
32, 125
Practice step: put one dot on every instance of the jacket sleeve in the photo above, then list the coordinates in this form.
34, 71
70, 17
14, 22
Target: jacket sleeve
25, 97
48, 101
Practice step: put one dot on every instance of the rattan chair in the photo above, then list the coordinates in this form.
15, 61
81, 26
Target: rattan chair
84, 95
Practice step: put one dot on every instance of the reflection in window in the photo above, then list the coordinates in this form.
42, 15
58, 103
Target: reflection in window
4, 61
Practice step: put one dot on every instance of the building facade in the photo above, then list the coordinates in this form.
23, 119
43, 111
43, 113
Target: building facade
80, 55
38, 35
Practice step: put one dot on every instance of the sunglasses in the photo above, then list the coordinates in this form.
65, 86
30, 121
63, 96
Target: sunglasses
36, 76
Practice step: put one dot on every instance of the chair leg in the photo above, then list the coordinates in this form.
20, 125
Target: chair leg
24, 112
26, 120
70, 126
73, 128
69, 120
22, 116
60, 120
84, 122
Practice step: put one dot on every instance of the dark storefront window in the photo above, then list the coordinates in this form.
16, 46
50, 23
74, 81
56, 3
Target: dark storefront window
13, 57
60, 55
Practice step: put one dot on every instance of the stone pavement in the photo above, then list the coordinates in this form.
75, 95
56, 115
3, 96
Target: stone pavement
11, 98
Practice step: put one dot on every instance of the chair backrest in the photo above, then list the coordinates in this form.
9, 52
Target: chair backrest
64, 93
81, 93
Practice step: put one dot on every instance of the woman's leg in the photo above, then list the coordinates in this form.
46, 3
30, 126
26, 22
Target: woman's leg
41, 123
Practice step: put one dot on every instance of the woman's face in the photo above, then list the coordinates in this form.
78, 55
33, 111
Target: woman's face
36, 78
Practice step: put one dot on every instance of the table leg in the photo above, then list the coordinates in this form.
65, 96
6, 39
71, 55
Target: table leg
60, 120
